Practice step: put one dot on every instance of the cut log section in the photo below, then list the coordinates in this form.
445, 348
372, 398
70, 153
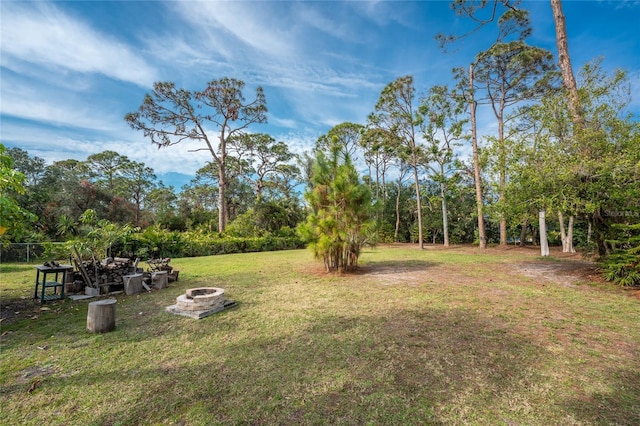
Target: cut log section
101, 316
159, 279
132, 283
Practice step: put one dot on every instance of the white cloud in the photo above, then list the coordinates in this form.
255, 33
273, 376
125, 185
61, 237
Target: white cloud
264, 45
283, 122
39, 33
299, 141
56, 145
314, 18
49, 105
269, 47
384, 12
247, 22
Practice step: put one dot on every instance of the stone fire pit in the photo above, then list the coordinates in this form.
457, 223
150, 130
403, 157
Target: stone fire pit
200, 302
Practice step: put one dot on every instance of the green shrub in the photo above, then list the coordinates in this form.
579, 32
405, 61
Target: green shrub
623, 266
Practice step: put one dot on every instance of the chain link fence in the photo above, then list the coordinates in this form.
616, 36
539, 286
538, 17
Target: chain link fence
22, 252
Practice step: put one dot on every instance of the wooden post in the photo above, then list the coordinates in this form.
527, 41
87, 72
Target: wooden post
78, 261
101, 316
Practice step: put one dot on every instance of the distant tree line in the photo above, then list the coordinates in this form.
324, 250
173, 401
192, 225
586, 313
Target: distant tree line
563, 166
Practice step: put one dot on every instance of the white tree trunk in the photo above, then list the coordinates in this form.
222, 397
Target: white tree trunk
566, 235
563, 233
570, 235
544, 243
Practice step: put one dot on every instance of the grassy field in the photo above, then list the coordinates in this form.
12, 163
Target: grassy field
435, 337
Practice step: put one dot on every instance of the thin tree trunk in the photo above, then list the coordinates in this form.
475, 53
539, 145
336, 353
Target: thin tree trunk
563, 234
222, 180
419, 205
570, 234
384, 197
566, 235
523, 232
482, 238
377, 183
564, 62
544, 243
222, 183
445, 221
395, 235
503, 225
502, 165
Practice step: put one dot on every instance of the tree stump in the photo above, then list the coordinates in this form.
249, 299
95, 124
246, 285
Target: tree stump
173, 275
101, 316
159, 280
132, 283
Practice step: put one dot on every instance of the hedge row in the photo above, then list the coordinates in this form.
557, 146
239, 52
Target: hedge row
174, 244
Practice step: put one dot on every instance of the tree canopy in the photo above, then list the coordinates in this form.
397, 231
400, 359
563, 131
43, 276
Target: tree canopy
169, 115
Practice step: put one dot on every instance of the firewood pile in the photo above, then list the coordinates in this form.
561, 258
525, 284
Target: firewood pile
158, 265
121, 273
108, 272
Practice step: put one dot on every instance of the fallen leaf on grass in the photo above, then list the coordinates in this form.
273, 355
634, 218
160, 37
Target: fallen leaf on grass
34, 385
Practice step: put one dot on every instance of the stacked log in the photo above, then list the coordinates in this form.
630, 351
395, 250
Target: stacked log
162, 265
121, 273
109, 273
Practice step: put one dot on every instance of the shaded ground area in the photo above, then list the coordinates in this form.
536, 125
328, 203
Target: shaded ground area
13, 309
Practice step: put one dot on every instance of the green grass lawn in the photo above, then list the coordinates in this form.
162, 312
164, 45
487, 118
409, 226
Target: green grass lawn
440, 336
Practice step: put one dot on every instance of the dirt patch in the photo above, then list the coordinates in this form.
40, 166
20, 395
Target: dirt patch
634, 292
399, 272
566, 273
14, 309
30, 374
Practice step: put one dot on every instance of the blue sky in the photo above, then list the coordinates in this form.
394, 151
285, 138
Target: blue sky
70, 71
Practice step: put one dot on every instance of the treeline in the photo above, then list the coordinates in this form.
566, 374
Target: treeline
68, 199
409, 146
123, 192
560, 165
127, 192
